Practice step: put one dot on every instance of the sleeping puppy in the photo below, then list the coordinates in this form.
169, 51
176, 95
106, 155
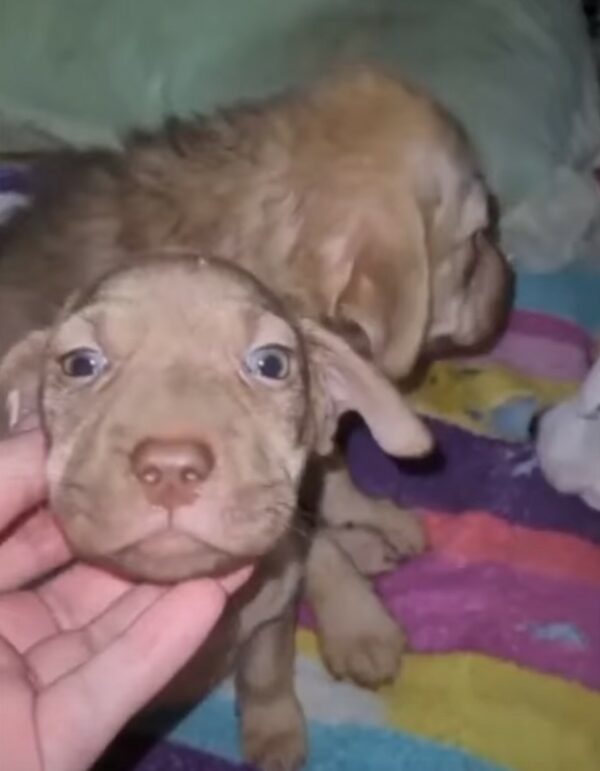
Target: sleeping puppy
359, 202
168, 459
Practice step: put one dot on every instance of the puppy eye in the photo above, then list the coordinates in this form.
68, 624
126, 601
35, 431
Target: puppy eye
83, 363
271, 362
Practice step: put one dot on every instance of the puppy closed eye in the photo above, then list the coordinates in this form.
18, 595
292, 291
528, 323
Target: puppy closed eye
83, 363
269, 362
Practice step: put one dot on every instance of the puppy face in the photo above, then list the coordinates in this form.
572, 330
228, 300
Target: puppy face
180, 404
177, 413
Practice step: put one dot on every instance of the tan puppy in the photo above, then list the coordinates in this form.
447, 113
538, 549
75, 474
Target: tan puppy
169, 459
359, 202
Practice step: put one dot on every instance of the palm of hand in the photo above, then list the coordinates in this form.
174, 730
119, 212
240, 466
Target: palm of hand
84, 651
79, 648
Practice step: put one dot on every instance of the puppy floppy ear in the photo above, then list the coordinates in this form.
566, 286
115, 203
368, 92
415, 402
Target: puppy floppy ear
471, 278
20, 381
345, 382
487, 296
376, 277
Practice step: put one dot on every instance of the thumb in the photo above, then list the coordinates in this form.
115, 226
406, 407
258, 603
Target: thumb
22, 470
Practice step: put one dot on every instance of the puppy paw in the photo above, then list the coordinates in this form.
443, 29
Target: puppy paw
365, 648
392, 535
370, 553
274, 735
401, 529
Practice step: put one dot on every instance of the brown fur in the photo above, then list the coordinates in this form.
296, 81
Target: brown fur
155, 387
358, 201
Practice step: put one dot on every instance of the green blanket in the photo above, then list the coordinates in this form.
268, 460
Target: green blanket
518, 73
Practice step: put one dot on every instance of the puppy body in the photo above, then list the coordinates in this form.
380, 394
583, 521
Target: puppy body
168, 459
358, 202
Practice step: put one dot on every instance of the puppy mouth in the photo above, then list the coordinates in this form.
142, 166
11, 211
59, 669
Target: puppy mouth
170, 556
169, 543
166, 547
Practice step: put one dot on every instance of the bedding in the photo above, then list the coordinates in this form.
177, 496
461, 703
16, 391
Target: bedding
503, 612
519, 73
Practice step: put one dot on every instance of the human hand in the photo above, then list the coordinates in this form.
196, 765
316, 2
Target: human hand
83, 652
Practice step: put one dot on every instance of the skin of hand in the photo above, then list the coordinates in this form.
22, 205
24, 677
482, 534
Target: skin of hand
82, 652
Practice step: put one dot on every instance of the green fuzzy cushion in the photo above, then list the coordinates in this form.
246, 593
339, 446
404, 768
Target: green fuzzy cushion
518, 73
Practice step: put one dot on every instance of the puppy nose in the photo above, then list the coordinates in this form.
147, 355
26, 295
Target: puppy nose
171, 472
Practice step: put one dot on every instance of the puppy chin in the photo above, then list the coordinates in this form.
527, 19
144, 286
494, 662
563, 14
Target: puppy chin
169, 558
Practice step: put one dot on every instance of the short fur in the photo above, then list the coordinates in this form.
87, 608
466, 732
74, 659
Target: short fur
359, 202
169, 460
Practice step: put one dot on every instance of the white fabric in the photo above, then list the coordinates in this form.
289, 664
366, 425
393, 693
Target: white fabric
568, 443
519, 73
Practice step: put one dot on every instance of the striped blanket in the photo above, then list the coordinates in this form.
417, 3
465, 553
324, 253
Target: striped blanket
502, 612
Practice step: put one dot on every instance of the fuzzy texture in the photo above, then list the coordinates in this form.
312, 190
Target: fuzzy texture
359, 200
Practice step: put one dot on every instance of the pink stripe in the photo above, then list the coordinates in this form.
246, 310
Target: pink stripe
547, 625
544, 325
551, 626
539, 357
477, 537
543, 346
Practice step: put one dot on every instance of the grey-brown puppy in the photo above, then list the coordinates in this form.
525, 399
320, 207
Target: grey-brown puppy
359, 202
168, 459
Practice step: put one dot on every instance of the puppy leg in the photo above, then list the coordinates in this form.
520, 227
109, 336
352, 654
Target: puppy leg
370, 553
359, 640
376, 534
272, 723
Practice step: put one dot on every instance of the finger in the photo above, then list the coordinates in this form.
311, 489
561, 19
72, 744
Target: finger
80, 713
34, 548
18, 746
80, 594
24, 620
66, 651
234, 581
22, 469
108, 606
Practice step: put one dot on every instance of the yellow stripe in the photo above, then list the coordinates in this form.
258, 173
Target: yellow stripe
465, 394
512, 716
495, 710
306, 643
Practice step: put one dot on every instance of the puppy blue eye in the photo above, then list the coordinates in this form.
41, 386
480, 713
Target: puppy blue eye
271, 362
83, 363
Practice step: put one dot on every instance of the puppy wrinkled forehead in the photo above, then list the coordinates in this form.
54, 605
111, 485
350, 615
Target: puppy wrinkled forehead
207, 295
207, 281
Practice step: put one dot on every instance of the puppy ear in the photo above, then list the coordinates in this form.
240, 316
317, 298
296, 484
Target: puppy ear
345, 382
20, 380
471, 277
377, 278
487, 296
